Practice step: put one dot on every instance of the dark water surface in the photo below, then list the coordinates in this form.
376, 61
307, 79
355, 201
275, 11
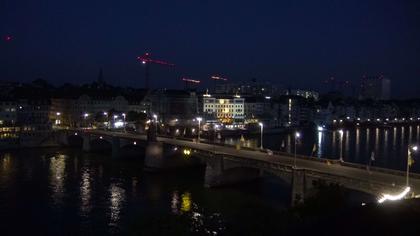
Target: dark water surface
67, 192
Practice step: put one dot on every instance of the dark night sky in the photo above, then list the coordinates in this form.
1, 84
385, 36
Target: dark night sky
291, 43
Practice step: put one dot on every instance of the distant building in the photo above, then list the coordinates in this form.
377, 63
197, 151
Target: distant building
169, 104
375, 88
226, 110
303, 93
250, 88
33, 114
295, 111
8, 112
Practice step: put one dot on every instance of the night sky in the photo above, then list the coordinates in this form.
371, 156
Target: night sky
297, 43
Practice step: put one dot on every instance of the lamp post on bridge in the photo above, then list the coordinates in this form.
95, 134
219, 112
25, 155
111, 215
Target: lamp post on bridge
341, 132
156, 123
124, 123
410, 161
297, 136
199, 119
262, 130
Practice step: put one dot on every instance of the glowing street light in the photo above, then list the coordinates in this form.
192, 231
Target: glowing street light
199, 119
411, 148
262, 130
85, 116
123, 114
57, 118
341, 132
297, 136
396, 197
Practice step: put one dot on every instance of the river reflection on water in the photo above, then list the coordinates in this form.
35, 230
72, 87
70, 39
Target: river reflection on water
389, 145
67, 191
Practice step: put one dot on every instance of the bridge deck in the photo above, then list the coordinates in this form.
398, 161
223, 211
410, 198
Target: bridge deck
351, 171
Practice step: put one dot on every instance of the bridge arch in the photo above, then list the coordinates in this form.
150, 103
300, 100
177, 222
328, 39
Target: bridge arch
98, 144
74, 140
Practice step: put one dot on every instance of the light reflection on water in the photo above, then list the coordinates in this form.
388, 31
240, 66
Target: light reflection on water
85, 192
57, 177
201, 221
117, 198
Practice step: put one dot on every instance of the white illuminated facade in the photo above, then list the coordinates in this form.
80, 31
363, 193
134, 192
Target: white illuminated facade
225, 110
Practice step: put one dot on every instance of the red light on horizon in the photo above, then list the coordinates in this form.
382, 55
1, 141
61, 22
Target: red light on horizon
8, 38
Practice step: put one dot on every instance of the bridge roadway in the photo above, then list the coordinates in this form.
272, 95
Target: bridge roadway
394, 179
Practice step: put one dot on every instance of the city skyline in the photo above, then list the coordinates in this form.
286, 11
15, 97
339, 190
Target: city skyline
296, 45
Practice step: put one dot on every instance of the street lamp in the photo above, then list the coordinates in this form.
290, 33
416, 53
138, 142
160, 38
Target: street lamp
410, 160
341, 132
199, 119
297, 136
123, 114
86, 115
262, 130
156, 126
57, 119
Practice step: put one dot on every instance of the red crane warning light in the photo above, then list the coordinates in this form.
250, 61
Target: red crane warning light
146, 60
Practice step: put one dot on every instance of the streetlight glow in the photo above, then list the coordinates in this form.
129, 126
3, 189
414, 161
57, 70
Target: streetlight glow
410, 148
396, 197
341, 132
262, 130
297, 136
199, 119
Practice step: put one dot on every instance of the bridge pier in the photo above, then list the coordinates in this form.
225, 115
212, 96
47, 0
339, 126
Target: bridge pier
62, 138
154, 155
115, 147
86, 143
221, 172
298, 186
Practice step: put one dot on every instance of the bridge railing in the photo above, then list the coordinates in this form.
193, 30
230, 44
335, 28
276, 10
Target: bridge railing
380, 169
279, 153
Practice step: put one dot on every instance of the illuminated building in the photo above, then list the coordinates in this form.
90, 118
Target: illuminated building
227, 110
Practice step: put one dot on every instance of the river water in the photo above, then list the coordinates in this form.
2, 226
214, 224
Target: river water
65, 191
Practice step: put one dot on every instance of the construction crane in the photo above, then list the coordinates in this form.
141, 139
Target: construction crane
189, 82
146, 60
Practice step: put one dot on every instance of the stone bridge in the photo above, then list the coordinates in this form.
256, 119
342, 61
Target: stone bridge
228, 165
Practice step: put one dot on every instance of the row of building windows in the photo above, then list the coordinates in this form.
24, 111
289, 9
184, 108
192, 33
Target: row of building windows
224, 110
223, 106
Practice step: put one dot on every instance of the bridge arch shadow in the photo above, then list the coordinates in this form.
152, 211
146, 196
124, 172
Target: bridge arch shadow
75, 141
132, 151
100, 145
